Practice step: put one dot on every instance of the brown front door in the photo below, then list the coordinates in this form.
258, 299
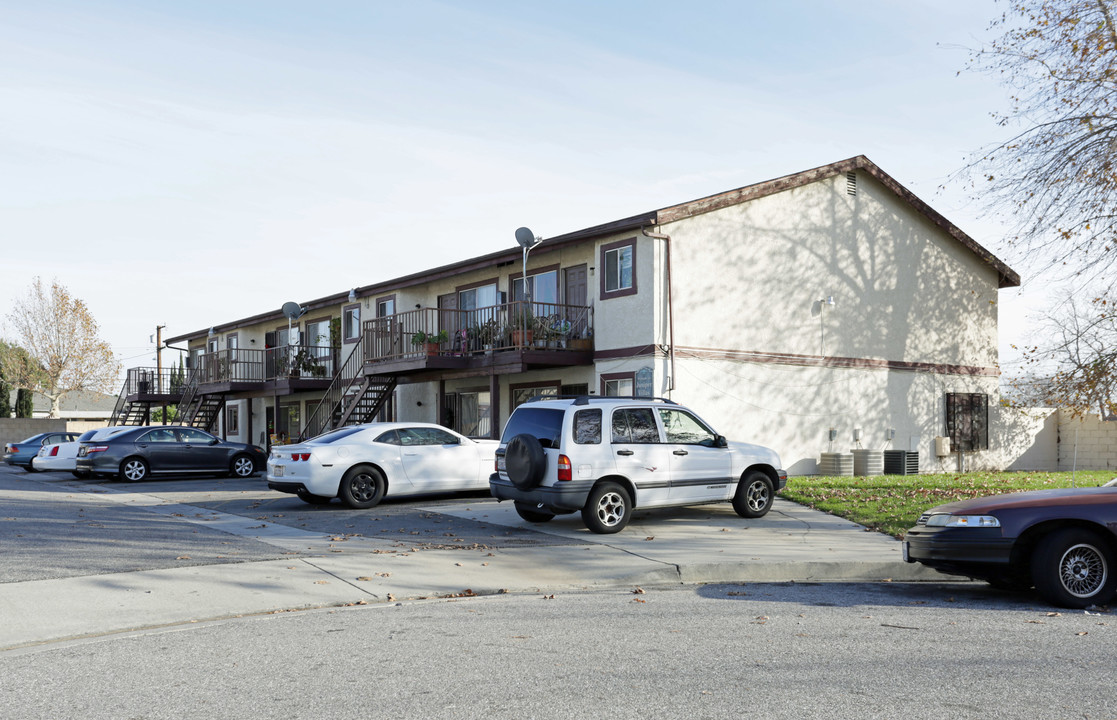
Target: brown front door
575, 294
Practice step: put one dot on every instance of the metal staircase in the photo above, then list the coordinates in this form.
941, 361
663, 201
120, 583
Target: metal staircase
127, 412
352, 398
198, 409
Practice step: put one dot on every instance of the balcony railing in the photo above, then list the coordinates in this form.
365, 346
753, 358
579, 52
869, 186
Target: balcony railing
239, 365
516, 325
300, 361
153, 381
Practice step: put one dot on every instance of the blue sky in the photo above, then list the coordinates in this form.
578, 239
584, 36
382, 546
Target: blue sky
186, 163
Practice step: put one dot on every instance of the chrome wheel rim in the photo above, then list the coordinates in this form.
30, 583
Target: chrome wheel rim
1083, 571
134, 470
610, 509
243, 467
758, 496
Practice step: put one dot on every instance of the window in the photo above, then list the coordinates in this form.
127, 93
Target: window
634, 425
587, 427
543, 287
351, 323
967, 421
389, 438
159, 436
190, 435
682, 427
618, 384
520, 394
287, 421
212, 344
386, 306
474, 414
544, 423
478, 297
232, 343
318, 333
618, 269
232, 420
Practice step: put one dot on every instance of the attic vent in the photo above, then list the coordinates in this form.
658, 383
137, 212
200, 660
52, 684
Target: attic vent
851, 183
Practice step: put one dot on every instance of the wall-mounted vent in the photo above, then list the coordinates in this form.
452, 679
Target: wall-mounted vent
851, 183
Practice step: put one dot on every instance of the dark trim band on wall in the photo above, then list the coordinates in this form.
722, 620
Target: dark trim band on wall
844, 362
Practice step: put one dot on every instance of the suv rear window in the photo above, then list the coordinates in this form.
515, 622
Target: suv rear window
544, 423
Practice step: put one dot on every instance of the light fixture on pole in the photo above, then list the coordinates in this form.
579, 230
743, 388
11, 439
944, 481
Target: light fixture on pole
528, 241
828, 300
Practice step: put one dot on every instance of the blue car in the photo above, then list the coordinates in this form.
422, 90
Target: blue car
19, 454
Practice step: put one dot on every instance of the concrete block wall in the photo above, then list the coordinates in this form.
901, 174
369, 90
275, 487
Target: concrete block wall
16, 429
1087, 443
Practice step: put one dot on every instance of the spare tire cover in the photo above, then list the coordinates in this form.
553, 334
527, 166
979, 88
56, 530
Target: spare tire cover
524, 461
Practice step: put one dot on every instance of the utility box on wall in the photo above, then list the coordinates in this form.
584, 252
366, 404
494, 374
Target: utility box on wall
942, 446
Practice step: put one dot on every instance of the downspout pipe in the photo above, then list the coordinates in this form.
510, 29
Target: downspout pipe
670, 304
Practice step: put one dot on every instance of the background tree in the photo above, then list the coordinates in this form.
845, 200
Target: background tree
5, 397
60, 336
1056, 175
1076, 367
25, 403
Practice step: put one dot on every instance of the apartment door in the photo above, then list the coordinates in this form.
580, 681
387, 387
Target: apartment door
575, 293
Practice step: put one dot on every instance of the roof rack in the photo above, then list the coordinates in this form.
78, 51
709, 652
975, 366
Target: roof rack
585, 399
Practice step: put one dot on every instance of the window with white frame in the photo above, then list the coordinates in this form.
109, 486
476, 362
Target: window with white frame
618, 269
351, 322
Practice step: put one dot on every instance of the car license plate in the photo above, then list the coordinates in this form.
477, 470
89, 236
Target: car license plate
904, 549
277, 470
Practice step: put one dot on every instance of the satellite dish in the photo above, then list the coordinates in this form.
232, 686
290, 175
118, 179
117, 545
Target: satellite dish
292, 311
525, 237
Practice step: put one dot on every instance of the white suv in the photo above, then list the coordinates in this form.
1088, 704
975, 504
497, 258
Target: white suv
604, 456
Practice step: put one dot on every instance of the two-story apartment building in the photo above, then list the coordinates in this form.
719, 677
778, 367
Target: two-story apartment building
823, 310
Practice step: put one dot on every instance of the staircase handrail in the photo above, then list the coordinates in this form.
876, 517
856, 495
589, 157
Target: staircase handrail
319, 420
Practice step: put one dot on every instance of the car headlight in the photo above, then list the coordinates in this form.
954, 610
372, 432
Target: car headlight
978, 521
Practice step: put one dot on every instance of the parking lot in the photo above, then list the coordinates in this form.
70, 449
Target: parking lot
90, 557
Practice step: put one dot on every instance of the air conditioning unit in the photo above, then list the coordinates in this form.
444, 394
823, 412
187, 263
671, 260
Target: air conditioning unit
942, 446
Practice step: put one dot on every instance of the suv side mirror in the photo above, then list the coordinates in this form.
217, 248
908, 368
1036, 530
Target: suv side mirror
720, 441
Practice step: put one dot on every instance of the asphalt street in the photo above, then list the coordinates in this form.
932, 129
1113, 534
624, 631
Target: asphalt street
833, 650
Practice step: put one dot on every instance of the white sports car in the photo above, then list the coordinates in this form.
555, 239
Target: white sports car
363, 463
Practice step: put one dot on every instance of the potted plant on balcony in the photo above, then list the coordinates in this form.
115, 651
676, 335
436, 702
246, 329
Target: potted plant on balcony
486, 334
522, 323
430, 340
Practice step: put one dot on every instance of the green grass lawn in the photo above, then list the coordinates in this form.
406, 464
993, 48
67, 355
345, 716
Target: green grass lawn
892, 503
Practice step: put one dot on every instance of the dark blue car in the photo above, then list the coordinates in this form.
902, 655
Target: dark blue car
19, 454
141, 452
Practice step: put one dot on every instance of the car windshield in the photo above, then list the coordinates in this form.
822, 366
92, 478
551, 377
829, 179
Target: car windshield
333, 436
543, 423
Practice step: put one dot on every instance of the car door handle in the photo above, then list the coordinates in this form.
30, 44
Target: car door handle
680, 452
625, 452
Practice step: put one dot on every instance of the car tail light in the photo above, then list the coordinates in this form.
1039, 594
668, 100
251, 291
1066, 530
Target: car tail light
564, 472
295, 457
96, 448
54, 451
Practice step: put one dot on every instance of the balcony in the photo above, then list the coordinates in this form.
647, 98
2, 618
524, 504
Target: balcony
153, 384
507, 338
290, 367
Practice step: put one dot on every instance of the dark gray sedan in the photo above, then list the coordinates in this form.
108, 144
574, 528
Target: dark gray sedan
136, 454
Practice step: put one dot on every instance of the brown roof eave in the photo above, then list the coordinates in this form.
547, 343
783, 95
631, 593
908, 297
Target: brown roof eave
499, 257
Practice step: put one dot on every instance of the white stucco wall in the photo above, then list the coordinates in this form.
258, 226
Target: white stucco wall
750, 277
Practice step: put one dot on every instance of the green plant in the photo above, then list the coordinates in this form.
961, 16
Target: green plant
25, 403
422, 338
487, 332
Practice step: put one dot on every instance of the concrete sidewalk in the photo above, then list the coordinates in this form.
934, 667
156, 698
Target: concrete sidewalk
701, 544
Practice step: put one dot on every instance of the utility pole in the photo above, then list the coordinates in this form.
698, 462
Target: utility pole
159, 353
